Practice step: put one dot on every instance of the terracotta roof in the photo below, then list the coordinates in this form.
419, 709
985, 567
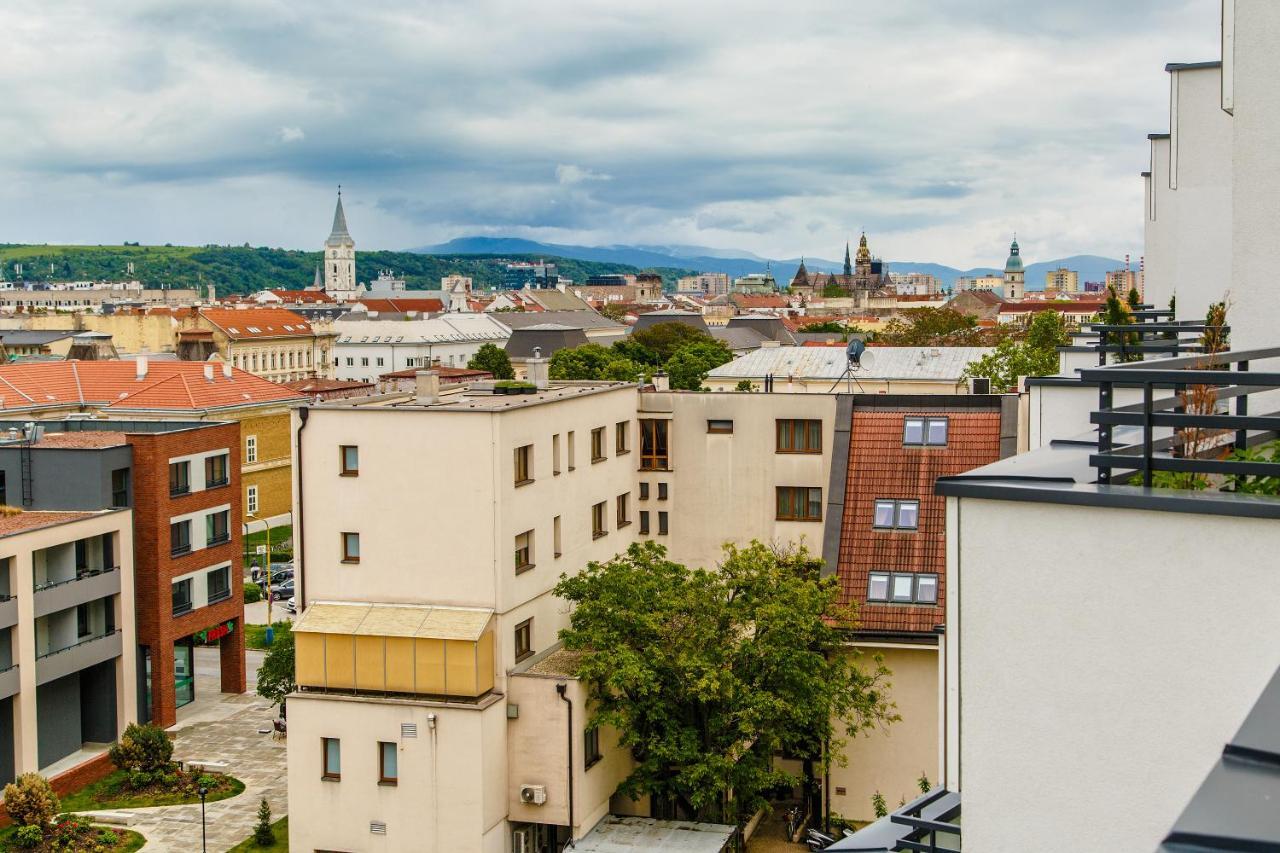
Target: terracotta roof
402, 305
1065, 307
81, 440
312, 385
27, 520
881, 467
114, 385
242, 323
303, 295
748, 301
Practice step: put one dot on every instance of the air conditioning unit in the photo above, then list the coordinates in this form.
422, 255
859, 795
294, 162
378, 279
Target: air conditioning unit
534, 795
522, 840
979, 385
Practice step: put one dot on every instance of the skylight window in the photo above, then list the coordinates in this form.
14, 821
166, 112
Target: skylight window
255, 330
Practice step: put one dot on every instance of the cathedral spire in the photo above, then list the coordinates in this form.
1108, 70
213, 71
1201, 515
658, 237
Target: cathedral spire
317, 283
339, 236
848, 265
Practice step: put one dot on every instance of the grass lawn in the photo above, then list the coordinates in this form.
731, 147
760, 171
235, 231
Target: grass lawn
255, 636
128, 840
282, 533
281, 828
110, 793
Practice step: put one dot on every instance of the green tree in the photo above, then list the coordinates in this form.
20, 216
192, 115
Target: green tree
692, 362
706, 675
833, 291
924, 327
744, 385
276, 676
1117, 313
144, 747
591, 362
829, 326
665, 338
493, 359
637, 352
1036, 355
1134, 298
263, 834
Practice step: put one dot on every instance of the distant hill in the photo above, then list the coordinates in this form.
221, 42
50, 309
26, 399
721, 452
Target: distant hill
703, 259
245, 269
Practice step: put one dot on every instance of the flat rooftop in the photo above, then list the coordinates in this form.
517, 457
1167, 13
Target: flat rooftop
79, 440
23, 522
477, 399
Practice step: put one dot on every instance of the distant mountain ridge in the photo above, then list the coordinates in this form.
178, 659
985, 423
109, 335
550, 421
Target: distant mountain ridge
1090, 267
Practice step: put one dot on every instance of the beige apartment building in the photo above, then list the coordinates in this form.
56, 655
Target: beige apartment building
1062, 280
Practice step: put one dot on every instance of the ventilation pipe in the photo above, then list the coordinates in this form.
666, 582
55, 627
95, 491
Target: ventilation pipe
537, 370
226, 370
142, 367
208, 372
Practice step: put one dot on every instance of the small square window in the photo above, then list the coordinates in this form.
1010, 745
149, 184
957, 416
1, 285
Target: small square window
349, 456
913, 431
720, 427
878, 587
524, 640
662, 491
350, 547
936, 433
524, 551
662, 524
251, 499
908, 515
927, 589
598, 523
251, 448
524, 465
622, 438
597, 445
590, 748
624, 510
902, 588
388, 764
644, 491
885, 513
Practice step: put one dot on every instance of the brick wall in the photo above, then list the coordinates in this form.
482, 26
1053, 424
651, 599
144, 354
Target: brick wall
70, 781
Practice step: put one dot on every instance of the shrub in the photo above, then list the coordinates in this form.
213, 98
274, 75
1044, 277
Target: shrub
143, 747
30, 801
252, 593
139, 779
263, 835
29, 837
877, 803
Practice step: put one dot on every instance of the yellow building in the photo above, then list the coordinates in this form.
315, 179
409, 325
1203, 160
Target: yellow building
273, 343
1062, 280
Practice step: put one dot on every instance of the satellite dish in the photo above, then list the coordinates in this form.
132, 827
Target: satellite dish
855, 350
866, 361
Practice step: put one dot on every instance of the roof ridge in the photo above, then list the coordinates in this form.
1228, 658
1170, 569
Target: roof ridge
75, 373
16, 388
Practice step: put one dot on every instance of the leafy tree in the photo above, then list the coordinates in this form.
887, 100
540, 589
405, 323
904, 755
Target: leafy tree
692, 362
706, 675
665, 338
922, 327
30, 801
828, 326
637, 352
1037, 355
833, 291
276, 677
1117, 313
1134, 298
1216, 336
263, 834
590, 361
494, 359
744, 385
878, 804
615, 312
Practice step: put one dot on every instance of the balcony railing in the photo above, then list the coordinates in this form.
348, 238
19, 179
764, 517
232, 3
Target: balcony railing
83, 642
1193, 429
81, 574
1153, 332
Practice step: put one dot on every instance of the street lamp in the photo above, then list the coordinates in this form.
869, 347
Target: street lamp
270, 632
204, 841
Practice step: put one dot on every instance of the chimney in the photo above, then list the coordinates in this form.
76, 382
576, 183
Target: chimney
226, 370
426, 387
141, 362
661, 382
208, 372
536, 370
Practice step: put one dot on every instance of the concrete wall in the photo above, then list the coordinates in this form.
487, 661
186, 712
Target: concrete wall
1058, 412
1088, 695
64, 479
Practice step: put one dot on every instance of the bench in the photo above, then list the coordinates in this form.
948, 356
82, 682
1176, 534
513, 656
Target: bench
206, 766
113, 818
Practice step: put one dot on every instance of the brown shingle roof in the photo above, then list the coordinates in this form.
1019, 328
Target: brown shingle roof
242, 323
21, 522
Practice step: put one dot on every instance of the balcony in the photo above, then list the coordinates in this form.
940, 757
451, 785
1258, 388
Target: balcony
88, 585
9, 682
64, 661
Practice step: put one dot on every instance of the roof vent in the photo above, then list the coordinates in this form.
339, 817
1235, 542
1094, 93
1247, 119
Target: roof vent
142, 366
408, 730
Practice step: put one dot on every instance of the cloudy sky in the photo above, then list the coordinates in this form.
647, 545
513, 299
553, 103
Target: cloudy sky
780, 128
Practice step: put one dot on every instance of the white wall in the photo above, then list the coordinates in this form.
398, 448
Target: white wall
1092, 683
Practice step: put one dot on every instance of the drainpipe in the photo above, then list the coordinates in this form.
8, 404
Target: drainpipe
563, 690
299, 539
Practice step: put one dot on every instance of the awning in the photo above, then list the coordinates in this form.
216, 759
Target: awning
640, 834
394, 620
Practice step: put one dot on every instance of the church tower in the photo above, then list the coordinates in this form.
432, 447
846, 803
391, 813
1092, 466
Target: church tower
1014, 275
340, 258
863, 267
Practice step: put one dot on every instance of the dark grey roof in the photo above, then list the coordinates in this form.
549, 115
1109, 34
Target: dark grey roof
1235, 808
339, 236
574, 319
24, 338
547, 337
886, 834
653, 318
739, 339
769, 325
1192, 66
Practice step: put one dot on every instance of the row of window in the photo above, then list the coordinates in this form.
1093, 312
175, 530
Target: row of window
216, 473
599, 451
388, 763
217, 528
269, 361
902, 587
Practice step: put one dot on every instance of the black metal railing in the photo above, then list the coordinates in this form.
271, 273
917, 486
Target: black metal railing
1171, 435
1153, 332
925, 831
82, 572
95, 638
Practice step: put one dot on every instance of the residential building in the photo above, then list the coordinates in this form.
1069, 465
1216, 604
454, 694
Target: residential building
82, 296
67, 644
982, 305
1123, 281
596, 327
182, 481
1062, 280
369, 345
521, 275
986, 283
916, 283
755, 282
19, 343
273, 343
1075, 311
712, 283
172, 390
826, 370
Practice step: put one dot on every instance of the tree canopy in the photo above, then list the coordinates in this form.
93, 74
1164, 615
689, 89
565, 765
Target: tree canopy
1035, 355
923, 327
706, 675
691, 363
276, 676
494, 359
665, 338
592, 361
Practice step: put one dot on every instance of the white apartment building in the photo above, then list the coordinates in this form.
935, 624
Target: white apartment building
711, 283
368, 345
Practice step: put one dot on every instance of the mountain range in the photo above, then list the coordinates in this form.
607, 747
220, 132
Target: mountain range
738, 262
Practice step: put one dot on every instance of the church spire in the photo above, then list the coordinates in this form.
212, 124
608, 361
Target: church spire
848, 265
317, 283
339, 236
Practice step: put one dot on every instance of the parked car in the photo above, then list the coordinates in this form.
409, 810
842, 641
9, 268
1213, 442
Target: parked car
277, 578
279, 571
282, 590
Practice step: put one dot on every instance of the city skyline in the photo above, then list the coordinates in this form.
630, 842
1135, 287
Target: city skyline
583, 127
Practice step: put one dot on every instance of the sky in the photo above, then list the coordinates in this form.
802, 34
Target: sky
782, 129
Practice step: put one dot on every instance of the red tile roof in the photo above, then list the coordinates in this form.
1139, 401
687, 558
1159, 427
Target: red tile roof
1065, 307
243, 323
399, 305
114, 385
748, 301
303, 296
880, 467
33, 520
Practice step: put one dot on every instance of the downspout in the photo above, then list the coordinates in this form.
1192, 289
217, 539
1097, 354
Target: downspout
563, 690
300, 540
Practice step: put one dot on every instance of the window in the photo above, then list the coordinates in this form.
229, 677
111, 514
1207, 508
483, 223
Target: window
927, 589
332, 758
181, 596
598, 524
215, 470
896, 515
381, 363
217, 527
644, 522
799, 503
364, 362
251, 499
524, 640
524, 551
720, 427
590, 748
924, 432
120, 487
388, 768
349, 460
351, 362
350, 547
622, 438
251, 448
555, 536
180, 537
902, 588
83, 628
878, 586
644, 491
524, 465
179, 478
624, 510
662, 524
597, 445
218, 584
569, 449
654, 447
662, 491
795, 436
555, 454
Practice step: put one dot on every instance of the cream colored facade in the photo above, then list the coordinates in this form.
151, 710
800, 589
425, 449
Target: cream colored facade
1062, 280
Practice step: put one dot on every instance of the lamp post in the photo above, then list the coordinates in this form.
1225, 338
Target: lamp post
270, 632
204, 841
